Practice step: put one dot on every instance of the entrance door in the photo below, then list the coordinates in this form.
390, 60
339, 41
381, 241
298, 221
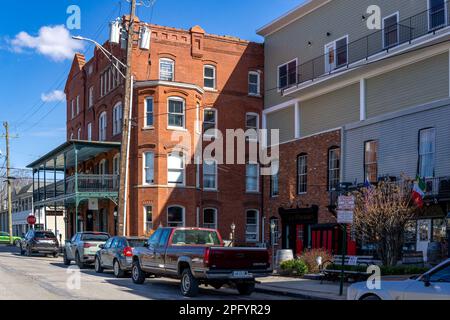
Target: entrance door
300, 238
423, 236
89, 221
330, 57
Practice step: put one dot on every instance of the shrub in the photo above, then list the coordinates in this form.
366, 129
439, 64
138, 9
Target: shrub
310, 259
294, 267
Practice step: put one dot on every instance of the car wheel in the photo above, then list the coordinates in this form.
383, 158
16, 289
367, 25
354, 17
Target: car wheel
98, 265
17, 243
371, 297
118, 272
245, 289
66, 260
78, 261
189, 285
137, 274
55, 255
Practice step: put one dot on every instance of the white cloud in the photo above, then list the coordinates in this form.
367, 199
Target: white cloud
56, 95
52, 41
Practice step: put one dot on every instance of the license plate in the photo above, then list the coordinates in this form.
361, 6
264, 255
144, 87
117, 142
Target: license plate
240, 274
46, 241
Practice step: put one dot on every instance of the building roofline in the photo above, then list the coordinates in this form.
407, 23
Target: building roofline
291, 16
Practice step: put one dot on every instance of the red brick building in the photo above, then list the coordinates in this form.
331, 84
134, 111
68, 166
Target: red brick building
186, 82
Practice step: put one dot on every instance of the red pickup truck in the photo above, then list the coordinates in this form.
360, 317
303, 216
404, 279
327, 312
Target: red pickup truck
198, 256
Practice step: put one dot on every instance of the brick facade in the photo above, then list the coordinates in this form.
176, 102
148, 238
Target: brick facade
191, 50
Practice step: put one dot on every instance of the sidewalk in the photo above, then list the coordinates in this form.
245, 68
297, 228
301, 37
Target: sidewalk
301, 288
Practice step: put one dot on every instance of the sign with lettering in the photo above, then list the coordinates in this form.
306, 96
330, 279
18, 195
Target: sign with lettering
346, 203
345, 217
93, 204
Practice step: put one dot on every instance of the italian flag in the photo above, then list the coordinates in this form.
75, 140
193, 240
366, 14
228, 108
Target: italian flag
419, 192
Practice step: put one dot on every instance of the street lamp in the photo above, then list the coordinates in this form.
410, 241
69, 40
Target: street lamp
126, 124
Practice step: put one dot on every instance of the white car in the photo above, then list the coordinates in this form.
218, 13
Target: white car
433, 285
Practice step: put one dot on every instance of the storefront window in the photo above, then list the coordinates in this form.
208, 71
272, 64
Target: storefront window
439, 230
410, 236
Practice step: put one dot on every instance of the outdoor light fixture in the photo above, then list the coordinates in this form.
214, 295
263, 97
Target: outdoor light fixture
309, 43
328, 34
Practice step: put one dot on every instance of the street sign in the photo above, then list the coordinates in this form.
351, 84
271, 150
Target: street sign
346, 203
345, 217
31, 220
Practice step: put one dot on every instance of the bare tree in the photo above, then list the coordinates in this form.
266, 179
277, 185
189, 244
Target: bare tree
381, 215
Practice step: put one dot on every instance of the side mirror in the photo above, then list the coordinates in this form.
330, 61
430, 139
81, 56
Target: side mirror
427, 280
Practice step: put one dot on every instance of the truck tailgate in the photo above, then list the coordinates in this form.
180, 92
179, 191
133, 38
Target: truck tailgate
239, 258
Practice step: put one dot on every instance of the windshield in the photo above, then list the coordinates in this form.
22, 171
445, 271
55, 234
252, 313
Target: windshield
195, 237
136, 243
45, 235
101, 237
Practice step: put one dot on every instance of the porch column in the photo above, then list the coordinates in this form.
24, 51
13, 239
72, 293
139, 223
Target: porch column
76, 189
55, 192
362, 100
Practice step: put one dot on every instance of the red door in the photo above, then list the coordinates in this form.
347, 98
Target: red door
299, 239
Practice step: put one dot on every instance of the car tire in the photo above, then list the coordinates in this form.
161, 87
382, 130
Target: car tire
137, 275
78, 261
16, 243
55, 255
66, 261
118, 272
245, 289
189, 284
98, 265
371, 297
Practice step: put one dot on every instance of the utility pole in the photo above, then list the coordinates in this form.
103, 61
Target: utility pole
8, 178
124, 154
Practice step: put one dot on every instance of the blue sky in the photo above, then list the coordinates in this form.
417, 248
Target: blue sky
28, 73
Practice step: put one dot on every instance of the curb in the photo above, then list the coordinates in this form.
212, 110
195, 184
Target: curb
293, 295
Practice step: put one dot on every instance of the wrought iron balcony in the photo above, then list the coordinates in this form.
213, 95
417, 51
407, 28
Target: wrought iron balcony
342, 57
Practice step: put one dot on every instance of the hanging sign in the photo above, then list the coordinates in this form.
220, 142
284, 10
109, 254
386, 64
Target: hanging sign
93, 204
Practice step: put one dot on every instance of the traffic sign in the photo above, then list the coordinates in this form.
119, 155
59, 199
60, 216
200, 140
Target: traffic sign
31, 220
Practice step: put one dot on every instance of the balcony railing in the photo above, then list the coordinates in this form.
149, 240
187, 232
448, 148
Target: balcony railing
84, 183
343, 56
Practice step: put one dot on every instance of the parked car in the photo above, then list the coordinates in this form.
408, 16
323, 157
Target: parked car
433, 285
4, 239
37, 241
117, 254
198, 256
83, 247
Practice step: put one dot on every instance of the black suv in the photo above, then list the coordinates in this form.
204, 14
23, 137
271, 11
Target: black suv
36, 241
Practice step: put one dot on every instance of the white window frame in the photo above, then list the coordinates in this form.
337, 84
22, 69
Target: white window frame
146, 223
89, 131
216, 216
184, 214
183, 170
205, 163
170, 127
248, 240
79, 134
170, 61
247, 190
198, 124
275, 164
102, 130
72, 106
216, 117
423, 155
258, 83
303, 174
102, 167
117, 122
91, 96
328, 67
397, 14
287, 65
429, 15
252, 138
214, 78
146, 124
116, 164
145, 168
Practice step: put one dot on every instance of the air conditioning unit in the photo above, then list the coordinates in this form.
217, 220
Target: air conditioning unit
145, 38
115, 30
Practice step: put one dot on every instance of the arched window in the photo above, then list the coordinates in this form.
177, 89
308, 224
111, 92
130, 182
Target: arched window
102, 125
117, 118
210, 218
175, 216
302, 173
176, 169
334, 168
209, 75
166, 69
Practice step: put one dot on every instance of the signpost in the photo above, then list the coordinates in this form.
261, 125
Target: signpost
31, 220
346, 208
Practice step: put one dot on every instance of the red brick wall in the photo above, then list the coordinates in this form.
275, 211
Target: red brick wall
233, 59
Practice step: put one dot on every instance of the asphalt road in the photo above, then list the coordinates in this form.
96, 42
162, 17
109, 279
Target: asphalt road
46, 278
